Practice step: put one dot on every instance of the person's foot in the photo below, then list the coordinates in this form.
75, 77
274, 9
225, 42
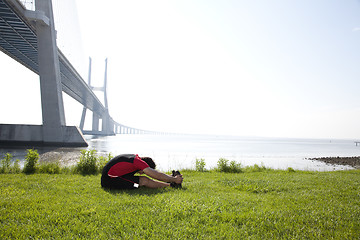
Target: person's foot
175, 185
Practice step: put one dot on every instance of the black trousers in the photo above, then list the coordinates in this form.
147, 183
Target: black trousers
127, 181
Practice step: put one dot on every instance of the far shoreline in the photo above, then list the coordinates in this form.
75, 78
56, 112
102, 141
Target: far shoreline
344, 161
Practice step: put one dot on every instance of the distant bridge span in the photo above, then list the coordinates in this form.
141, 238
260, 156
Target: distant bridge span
29, 37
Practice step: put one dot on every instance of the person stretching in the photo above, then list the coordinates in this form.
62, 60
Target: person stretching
119, 173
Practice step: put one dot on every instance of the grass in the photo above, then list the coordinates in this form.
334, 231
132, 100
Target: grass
212, 205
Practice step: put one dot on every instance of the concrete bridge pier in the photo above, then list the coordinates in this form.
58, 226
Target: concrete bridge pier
107, 125
54, 126
50, 81
95, 123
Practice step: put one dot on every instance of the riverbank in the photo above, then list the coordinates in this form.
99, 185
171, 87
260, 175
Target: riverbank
254, 205
64, 156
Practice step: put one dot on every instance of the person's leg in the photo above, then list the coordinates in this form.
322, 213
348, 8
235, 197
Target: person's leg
124, 182
147, 182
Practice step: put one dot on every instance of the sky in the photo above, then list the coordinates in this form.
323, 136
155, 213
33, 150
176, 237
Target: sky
232, 67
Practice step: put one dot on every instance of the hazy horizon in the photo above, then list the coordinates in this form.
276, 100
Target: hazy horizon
242, 68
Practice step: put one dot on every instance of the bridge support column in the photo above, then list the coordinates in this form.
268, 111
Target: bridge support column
107, 125
82, 122
106, 128
95, 123
50, 80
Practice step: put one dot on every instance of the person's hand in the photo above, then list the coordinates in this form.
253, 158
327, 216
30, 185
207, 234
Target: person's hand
179, 179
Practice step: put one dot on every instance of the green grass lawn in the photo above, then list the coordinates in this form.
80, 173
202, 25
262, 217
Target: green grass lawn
211, 205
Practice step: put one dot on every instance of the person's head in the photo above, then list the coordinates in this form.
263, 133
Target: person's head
149, 161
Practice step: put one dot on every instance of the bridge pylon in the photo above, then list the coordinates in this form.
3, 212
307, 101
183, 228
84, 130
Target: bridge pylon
107, 127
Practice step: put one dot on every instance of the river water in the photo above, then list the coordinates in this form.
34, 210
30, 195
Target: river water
181, 151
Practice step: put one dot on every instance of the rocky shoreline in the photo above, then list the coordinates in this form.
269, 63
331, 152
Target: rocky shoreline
349, 161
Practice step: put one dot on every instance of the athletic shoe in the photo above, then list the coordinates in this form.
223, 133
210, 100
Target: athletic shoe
175, 185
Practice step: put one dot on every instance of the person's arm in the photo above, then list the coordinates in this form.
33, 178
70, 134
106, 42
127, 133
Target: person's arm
162, 176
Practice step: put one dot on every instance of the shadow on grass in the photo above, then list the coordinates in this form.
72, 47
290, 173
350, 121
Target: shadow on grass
142, 191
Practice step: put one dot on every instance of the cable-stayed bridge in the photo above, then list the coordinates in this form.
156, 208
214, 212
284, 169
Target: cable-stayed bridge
29, 37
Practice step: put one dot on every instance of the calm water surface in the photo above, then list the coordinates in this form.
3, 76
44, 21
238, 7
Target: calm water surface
181, 151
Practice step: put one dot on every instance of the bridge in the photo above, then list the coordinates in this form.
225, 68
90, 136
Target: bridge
29, 37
